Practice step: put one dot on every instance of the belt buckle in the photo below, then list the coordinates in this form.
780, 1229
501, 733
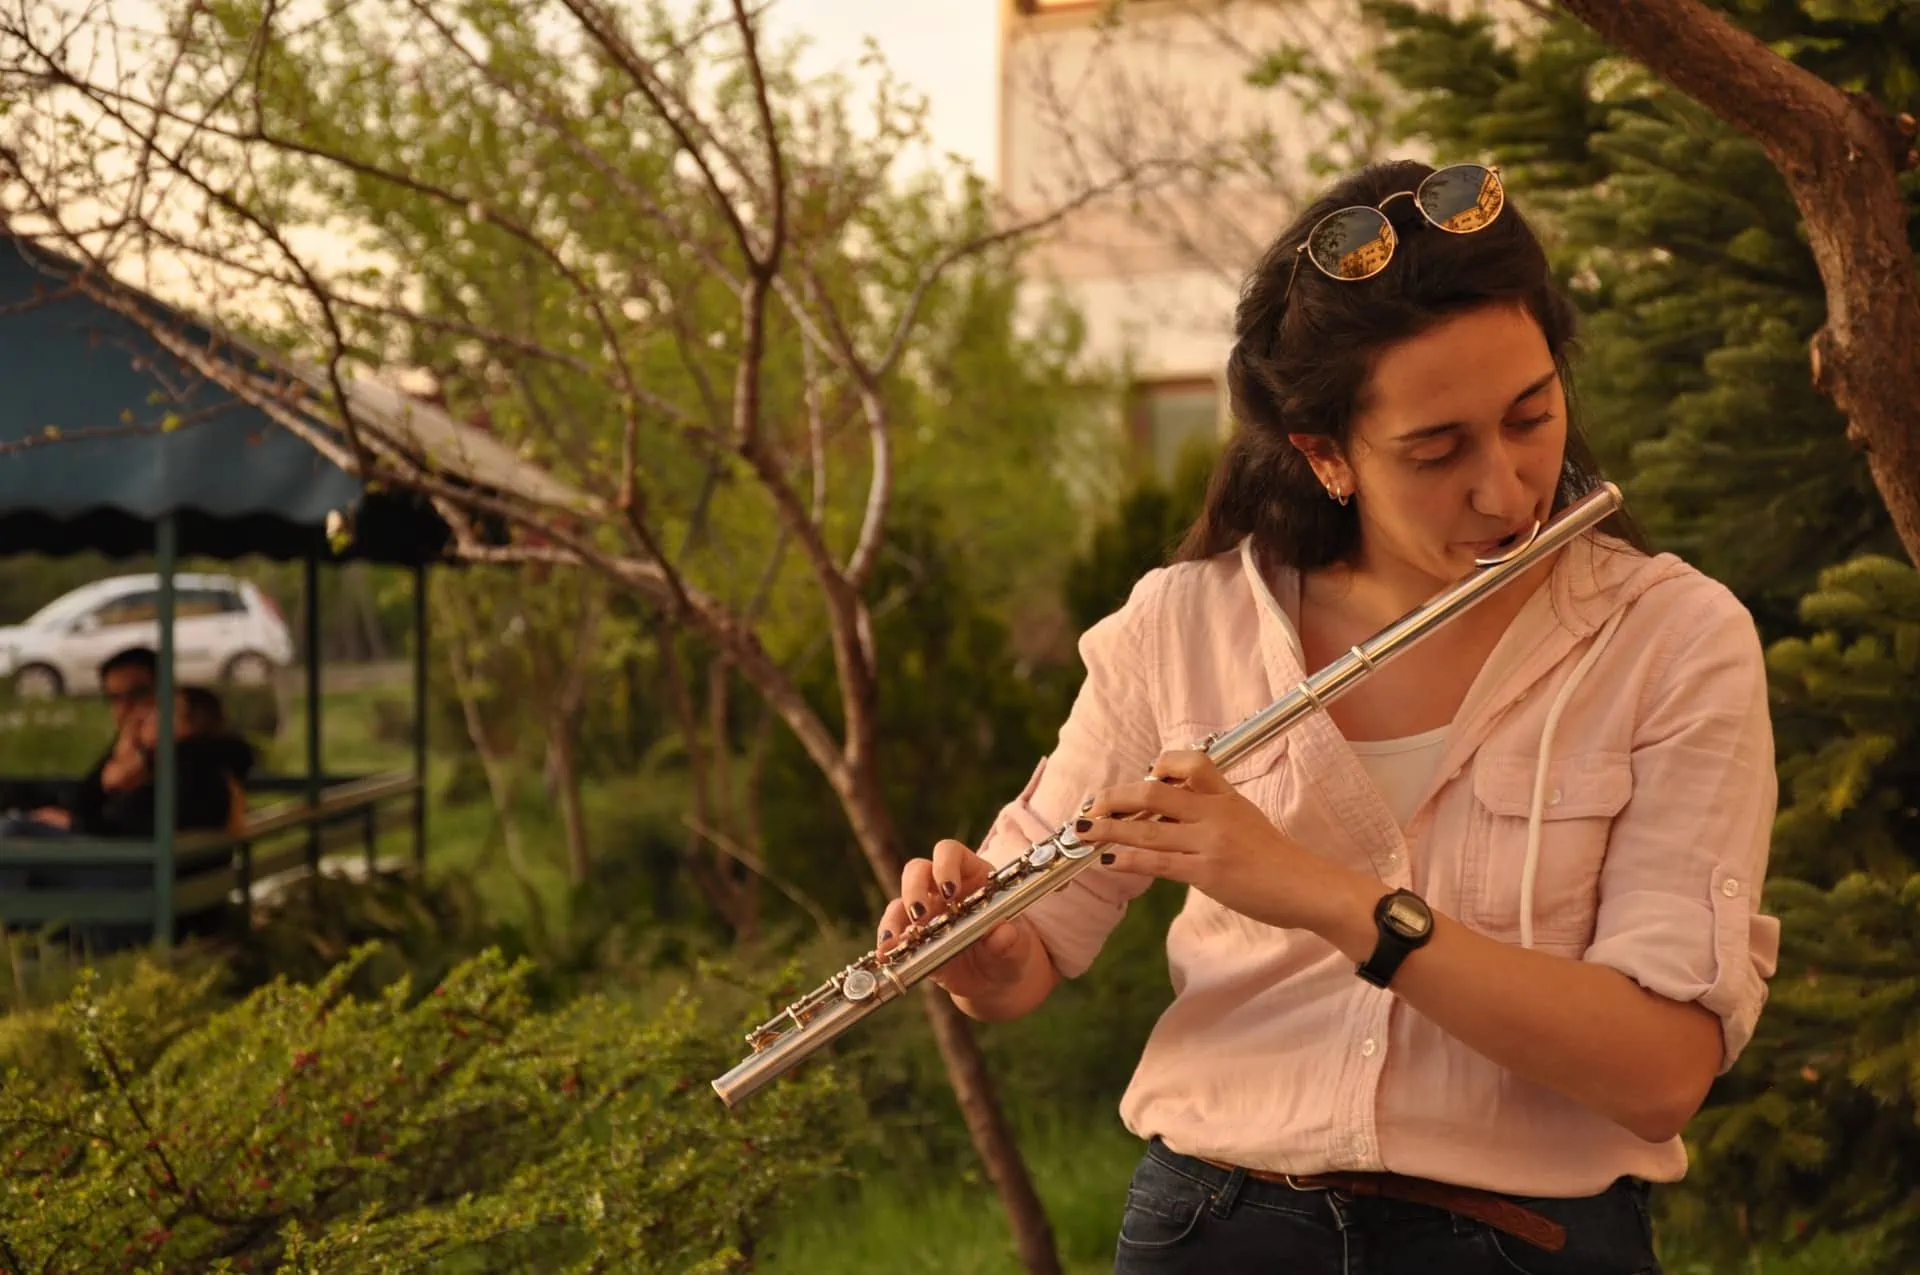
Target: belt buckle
1294, 1181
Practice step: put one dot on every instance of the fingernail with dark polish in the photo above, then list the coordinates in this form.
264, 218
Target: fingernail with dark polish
885, 935
1106, 856
946, 888
1083, 825
918, 910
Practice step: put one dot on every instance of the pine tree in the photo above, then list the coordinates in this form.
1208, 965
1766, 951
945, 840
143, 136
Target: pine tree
1818, 1126
1698, 294
1146, 525
1683, 250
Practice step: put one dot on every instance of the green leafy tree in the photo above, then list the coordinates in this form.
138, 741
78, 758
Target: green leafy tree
694, 294
967, 719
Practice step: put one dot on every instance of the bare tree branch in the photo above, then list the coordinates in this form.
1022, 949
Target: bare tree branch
741, 855
602, 24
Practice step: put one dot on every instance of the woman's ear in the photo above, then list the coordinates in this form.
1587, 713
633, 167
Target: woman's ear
1329, 466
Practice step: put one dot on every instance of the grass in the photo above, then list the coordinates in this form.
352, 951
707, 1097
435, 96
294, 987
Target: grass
361, 731
54, 738
895, 1225
954, 1226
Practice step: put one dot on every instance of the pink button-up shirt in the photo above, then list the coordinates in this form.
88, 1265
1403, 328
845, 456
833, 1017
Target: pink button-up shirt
1653, 819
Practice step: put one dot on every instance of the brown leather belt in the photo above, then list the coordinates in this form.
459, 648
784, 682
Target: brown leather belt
1495, 1210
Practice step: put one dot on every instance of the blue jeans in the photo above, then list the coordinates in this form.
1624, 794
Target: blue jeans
1185, 1215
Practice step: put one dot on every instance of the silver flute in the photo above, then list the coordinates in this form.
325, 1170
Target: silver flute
785, 1041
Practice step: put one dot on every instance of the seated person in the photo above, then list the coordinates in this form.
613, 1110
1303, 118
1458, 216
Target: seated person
127, 682
207, 731
118, 799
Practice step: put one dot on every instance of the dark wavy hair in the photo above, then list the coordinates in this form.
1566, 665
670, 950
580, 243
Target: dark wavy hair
1299, 367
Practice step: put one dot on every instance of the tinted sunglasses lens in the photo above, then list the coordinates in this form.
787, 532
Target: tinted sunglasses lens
1462, 198
1354, 243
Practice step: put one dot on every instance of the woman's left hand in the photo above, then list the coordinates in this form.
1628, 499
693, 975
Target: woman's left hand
1214, 840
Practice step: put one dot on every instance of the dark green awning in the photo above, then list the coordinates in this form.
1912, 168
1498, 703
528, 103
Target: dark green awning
118, 432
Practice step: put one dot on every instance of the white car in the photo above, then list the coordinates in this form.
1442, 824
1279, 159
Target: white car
224, 630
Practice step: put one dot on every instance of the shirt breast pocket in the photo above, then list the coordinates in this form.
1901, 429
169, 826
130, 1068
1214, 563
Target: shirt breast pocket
1582, 794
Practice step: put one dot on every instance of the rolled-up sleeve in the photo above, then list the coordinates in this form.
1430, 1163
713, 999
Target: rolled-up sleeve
1109, 737
1679, 908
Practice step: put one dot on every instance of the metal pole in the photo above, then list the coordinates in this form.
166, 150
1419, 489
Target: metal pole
420, 718
165, 780
313, 707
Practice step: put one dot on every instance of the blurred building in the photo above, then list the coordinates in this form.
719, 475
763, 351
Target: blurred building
1099, 93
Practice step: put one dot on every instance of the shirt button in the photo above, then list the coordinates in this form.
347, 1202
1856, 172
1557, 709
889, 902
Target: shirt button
1393, 857
1358, 1145
1730, 887
1367, 1047
1555, 799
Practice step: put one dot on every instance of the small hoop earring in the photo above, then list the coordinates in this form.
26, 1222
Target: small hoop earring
1340, 496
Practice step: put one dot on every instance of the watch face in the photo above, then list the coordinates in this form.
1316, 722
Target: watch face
1408, 915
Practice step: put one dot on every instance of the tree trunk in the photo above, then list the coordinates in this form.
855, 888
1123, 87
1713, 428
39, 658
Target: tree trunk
706, 865
743, 890
960, 1052
366, 614
566, 782
852, 770
499, 782
1841, 155
992, 1138
563, 723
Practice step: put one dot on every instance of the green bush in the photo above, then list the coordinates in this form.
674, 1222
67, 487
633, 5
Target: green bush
304, 1129
405, 926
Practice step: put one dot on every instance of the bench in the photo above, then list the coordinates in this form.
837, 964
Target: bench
210, 869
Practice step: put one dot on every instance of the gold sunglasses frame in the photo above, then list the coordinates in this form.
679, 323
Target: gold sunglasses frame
1492, 173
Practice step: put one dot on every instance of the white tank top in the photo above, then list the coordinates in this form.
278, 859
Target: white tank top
1400, 768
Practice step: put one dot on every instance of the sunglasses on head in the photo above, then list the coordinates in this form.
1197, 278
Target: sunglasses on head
1351, 244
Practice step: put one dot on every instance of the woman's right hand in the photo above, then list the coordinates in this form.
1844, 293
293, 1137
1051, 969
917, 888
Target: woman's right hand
991, 968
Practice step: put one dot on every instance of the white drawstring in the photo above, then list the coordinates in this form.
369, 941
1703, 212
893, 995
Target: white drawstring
1538, 812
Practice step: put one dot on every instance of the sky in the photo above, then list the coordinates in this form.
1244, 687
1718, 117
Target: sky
946, 49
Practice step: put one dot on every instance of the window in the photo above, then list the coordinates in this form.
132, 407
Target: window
129, 608
189, 603
1170, 416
